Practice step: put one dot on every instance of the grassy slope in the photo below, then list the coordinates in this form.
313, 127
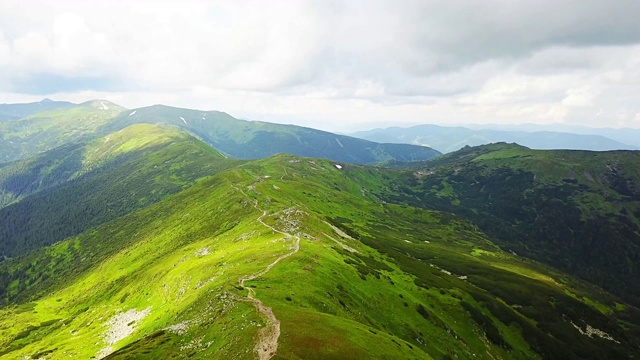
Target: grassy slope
576, 210
71, 189
398, 291
236, 138
50, 129
254, 139
22, 178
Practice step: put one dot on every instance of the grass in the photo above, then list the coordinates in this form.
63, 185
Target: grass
105, 179
416, 284
575, 210
50, 129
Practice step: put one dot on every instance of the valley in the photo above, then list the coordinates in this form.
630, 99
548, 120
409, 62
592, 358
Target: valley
320, 180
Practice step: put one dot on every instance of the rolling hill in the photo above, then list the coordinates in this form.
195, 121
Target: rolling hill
73, 188
19, 111
47, 130
447, 139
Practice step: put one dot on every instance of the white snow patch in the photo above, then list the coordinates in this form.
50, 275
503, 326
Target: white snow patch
134, 111
593, 331
339, 232
179, 328
338, 166
104, 107
203, 118
339, 143
119, 327
183, 120
202, 252
342, 245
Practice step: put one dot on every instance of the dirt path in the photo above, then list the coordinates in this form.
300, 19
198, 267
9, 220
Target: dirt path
283, 175
267, 342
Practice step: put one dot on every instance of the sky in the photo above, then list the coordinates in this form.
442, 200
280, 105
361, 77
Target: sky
340, 65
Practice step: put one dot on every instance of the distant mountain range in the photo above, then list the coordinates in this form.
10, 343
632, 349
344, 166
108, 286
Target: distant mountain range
18, 111
447, 139
42, 131
629, 136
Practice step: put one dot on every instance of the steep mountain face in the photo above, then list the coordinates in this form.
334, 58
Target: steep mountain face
235, 138
299, 258
73, 188
447, 139
578, 211
19, 111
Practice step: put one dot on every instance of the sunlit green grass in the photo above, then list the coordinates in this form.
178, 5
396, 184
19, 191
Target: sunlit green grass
399, 294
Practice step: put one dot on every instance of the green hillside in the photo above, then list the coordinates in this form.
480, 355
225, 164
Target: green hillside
235, 138
576, 210
73, 188
47, 130
254, 140
299, 257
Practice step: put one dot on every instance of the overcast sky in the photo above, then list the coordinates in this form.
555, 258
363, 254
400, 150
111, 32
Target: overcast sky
334, 65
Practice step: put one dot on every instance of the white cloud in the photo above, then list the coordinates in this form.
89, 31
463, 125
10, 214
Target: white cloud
583, 96
5, 51
333, 64
77, 47
32, 52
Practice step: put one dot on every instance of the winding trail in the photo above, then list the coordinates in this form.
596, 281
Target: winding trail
267, 342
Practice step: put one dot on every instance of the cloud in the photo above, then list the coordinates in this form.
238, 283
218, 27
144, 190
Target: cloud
351, 61
51, 83
5, 51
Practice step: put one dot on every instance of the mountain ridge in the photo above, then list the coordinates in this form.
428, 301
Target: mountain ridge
145, 243
105, 179
236, 138
19, 111
257, 139
575, 210
451, 290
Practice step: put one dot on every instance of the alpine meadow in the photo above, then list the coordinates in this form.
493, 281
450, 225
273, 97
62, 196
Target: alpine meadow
131, 237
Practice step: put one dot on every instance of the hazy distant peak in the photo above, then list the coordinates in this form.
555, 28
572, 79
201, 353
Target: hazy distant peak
103, 105
447, 139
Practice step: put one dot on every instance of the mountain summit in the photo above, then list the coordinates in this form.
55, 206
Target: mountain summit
103, 105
